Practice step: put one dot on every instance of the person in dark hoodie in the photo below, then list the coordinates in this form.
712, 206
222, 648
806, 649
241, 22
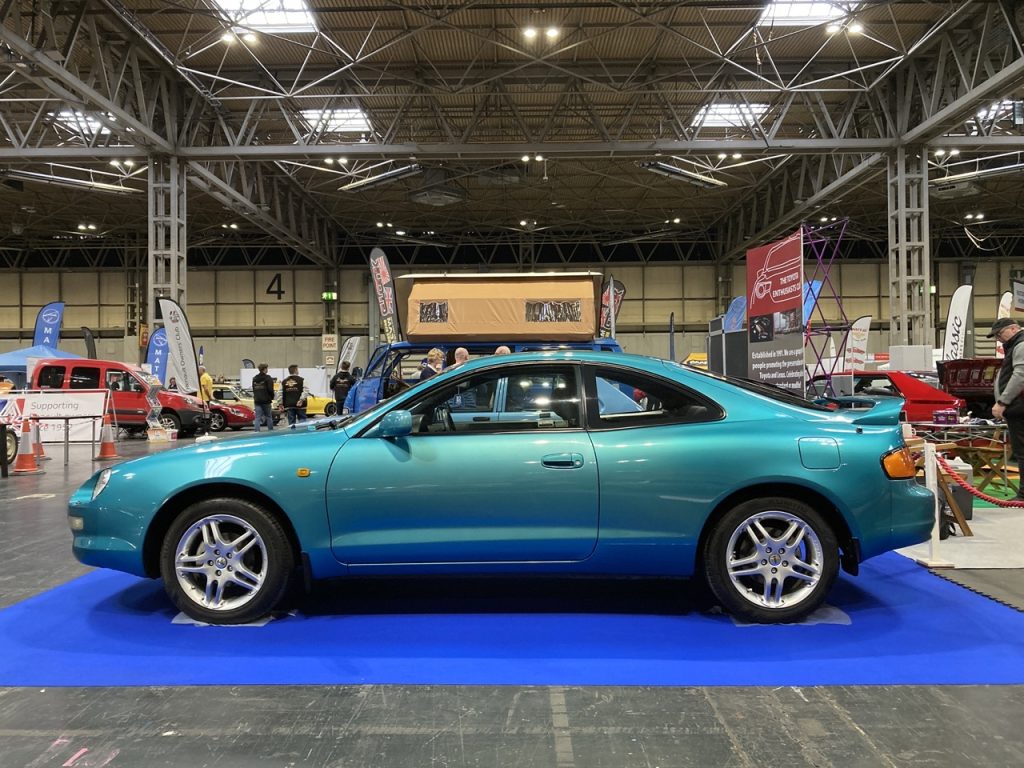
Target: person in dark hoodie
1009, 384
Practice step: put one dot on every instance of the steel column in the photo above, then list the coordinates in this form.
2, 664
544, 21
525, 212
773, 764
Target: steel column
167, 233
909, 256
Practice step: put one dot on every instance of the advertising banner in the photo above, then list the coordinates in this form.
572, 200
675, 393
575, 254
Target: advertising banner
611, 297
857, 343
735, 315
672, 336
181, 353
156, 354
775, 327
385, 289
90, 343
348, 350
956, 323
1003, 310
52, 406
48, 323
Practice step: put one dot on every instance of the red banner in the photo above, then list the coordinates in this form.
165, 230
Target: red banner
775, 326
385, 289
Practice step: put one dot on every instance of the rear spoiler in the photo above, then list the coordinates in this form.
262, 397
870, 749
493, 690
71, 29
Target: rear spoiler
870, 411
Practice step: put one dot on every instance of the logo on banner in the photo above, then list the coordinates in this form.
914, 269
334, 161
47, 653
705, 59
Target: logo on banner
160, 340
50, 316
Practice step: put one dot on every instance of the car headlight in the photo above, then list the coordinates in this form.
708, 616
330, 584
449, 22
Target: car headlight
101, 482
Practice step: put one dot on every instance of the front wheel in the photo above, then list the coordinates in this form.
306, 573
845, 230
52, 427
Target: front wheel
331, 409
771, 560
217, 421
226, 561
170, 420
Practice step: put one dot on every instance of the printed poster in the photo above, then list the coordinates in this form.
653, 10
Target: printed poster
775, 322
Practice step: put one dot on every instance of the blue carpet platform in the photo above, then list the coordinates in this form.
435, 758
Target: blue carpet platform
894, 624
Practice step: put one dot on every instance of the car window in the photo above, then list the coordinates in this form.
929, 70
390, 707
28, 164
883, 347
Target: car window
524, 398
133, 384
85, 377
874, 385
116, 381
51, 377
629, 398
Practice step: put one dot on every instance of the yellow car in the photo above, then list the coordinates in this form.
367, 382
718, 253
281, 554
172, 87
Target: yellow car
316, 406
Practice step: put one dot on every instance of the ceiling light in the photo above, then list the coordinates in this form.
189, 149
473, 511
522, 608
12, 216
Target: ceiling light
824, 218
380, 223
856, 28
233, 226
722, 156
676, 220
832, 29
551, 33
736, 155
530, 33
390, 224
343, 160
81, 227
399, 231
228, 38
954, 152
91, 227
969, 216
538, 157
522, 222
673, 171
979, 216
329, 160
525, 158
382, 178
250, 38
940, 152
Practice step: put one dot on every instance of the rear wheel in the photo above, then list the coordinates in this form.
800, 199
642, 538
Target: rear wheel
226, 561
771, 560
11, 445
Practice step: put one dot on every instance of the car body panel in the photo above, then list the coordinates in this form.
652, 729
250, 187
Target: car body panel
233, 395
638, 503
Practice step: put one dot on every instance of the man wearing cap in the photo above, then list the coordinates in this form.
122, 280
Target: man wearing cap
1009, 384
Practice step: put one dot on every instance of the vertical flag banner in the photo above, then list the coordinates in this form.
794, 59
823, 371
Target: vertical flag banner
348, 350
90, 343
1003, 310
775, 327
956, 323
181, 352
48, 323
672, 336
611, 302
735, 315
200, 354
156, 354
247, 363
385, 288
1018, 295
857, 343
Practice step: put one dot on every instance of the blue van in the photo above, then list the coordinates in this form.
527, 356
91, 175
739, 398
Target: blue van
395, 367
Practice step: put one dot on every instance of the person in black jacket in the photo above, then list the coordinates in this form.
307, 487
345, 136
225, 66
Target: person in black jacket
263, 398
341, 384
1008, 387
292, 397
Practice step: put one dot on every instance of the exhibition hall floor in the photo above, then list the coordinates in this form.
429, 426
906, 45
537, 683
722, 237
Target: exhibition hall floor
483, 672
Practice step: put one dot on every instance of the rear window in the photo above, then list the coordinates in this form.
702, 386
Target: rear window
765, 390
51, 377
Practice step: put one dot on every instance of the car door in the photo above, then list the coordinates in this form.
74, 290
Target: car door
499, 492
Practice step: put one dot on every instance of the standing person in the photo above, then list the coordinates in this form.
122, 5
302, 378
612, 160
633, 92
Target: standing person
205, 385
291, 396
263, 398
435, 359
341, 384
1009, 384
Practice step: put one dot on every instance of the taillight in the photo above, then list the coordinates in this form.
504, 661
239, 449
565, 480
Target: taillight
899, 464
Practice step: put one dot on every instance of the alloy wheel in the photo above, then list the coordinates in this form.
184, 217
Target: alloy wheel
221, 562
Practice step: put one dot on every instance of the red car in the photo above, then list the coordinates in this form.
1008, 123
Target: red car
229, 415
921, 398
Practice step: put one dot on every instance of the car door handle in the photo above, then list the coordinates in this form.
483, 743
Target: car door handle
481, 418
563, 460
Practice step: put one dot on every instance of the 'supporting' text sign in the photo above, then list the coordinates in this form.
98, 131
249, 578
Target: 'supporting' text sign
52, 406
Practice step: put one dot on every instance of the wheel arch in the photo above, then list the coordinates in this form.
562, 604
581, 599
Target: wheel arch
171, 508
848, 544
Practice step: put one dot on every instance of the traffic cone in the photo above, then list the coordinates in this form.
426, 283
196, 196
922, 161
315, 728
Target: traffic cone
37, 439
26, 464
107, 448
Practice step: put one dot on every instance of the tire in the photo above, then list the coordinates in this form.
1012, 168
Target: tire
331, 409
170, 420
234, 429
218, 423
740, 571
12, 446
206, 592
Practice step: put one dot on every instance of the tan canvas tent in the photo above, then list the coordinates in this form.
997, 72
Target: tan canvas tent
500, 307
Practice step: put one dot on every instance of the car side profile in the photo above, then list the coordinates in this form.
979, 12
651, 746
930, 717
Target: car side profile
638, 467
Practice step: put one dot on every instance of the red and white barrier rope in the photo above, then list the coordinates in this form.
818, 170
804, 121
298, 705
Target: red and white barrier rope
974, 491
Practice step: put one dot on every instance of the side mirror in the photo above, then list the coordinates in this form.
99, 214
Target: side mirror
396, 424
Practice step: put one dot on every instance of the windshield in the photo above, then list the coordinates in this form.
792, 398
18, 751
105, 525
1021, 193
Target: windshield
149, 378
771, 391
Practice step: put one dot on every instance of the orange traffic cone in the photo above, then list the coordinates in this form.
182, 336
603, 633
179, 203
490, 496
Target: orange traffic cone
107, 448
26, 464
37, 440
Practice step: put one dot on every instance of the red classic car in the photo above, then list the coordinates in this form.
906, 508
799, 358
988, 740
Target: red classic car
921, 398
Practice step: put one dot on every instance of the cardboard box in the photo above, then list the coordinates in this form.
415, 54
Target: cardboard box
157, 435
500, 307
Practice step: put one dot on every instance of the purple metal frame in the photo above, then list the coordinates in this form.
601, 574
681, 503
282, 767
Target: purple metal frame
823, 242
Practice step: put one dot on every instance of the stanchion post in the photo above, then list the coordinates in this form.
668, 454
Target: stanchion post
67, 437
931, 481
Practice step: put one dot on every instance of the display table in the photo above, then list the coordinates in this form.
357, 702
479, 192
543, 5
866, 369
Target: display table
983, 446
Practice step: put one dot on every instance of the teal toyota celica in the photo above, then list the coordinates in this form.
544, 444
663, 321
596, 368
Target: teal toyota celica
574, 463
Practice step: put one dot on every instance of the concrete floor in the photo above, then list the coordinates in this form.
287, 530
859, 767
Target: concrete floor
420, 726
